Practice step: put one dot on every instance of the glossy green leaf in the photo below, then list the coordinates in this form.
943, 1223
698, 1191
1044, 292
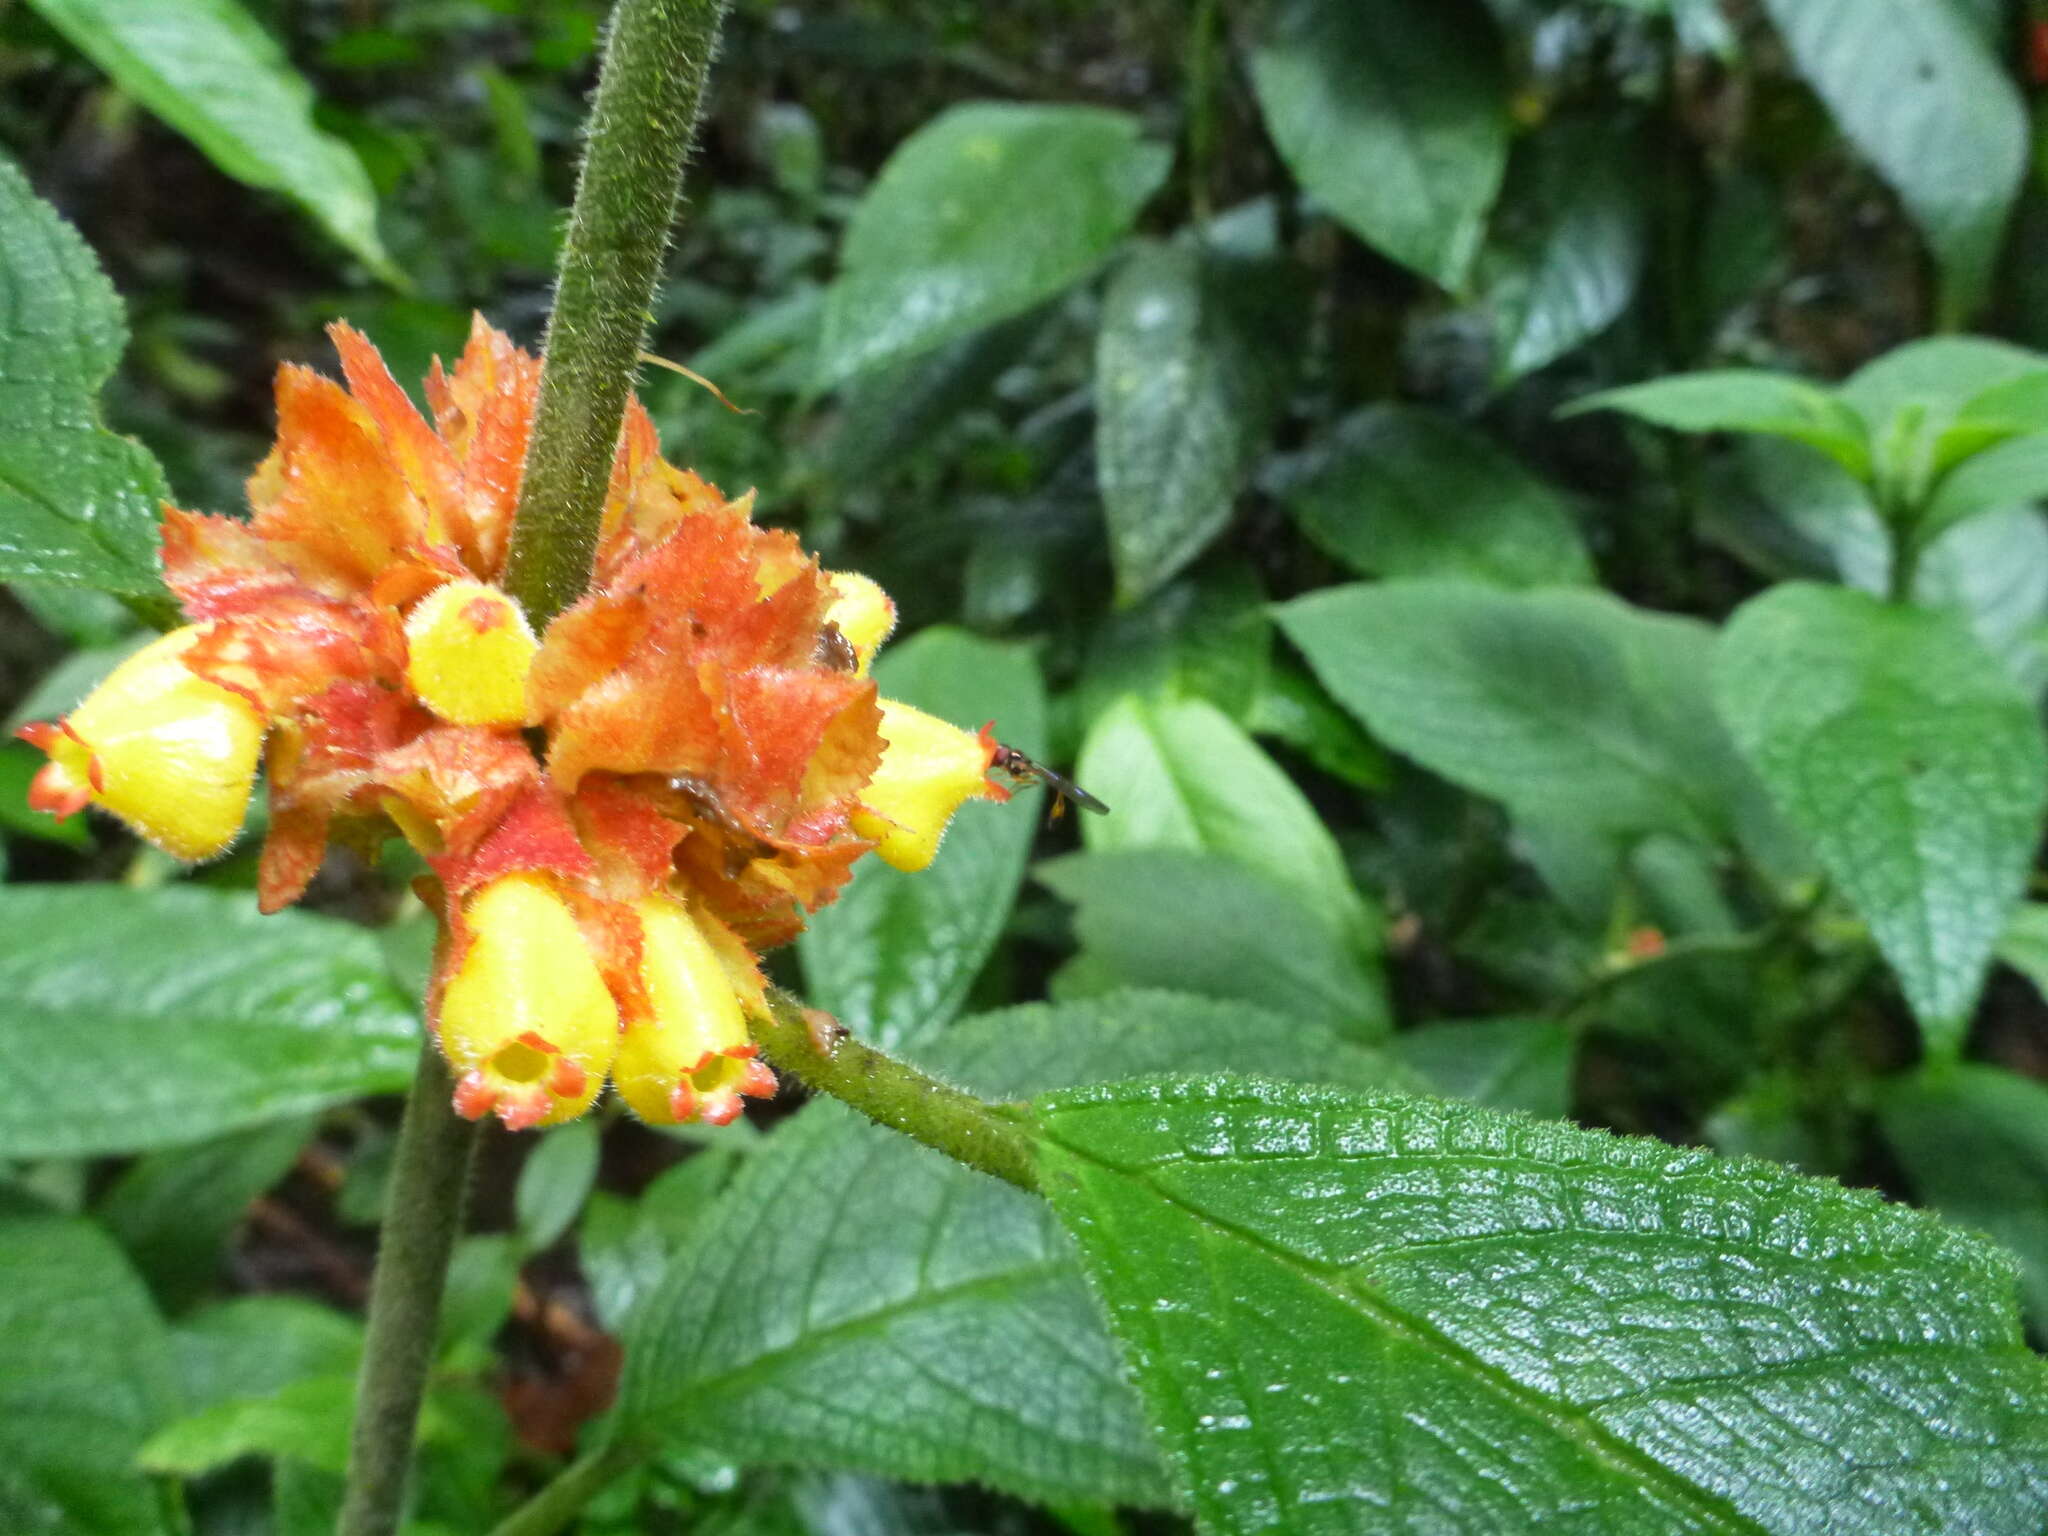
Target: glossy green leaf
1293, 708
1400, 491
208, 68
894, 957
1564, 705
1208, 635
1916, 88
1520, 1064
1180, 774
1745, 400
1570, 242
1394, 116
1353, 1311
251, 1346
554, 1183
1190, 363
857, 1301
2008, 474
624, 1247
77, 503
1909, 760
2024, 944
1974, 1142
980, 214
305, 1421
1207, 923
154, 1018
175, 1209
85, 1375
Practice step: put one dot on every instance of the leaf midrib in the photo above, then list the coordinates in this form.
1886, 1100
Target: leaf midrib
1563, 1419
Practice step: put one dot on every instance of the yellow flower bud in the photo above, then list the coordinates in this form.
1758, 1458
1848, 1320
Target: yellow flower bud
929, 768
468, 650
168, 752
692, 1059
526, 1021
863, 613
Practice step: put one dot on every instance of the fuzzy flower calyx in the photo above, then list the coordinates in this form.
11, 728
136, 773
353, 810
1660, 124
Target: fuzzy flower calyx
620, 813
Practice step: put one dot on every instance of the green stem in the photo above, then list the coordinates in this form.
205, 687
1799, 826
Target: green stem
563, 1499
814, 1049
423, 1211
655, 59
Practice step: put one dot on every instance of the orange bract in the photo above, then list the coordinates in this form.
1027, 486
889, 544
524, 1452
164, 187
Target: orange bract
709, 729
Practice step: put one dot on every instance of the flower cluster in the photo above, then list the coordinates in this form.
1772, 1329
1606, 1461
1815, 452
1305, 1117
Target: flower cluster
620, 813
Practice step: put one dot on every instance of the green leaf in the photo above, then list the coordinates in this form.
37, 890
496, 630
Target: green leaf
1400, 491
1567, 706
553, 1185
2006, 475
1898, 747
2024, 944
175, 1209
1939, 374
78, 504
84, 1376
1394, 116
1207, 635
982, 213
305, 1421
1744, 400
1520, 1064
154, 1018
1205, 923
251, 1346
1915, 88
1573, 236
1179, 774
1366, 1311
1190, 365
1974, 1142
625, 1246
894, 957
1293, 708
207, 68
857, 1301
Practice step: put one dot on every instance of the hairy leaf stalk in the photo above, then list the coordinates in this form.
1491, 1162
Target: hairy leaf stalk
812, 1047
656, 56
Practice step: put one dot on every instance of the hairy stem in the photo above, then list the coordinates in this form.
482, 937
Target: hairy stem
563, 1499
814, 1049
429, 1177
656, 55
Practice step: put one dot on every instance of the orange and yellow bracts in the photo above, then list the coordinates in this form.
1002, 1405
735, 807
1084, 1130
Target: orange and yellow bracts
621, 813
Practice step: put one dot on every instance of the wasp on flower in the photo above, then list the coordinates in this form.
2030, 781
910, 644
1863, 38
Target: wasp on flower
621, 812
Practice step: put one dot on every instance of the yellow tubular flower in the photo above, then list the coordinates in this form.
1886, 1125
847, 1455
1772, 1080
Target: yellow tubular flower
692, 1059
929, 768
863, 612
526, 1021
468, 650
168, 752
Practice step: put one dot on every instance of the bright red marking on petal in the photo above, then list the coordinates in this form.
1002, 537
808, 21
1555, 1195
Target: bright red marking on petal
474, 1097
682, 1103
539, 1042
568, 1080
56, 793
746, 1050
483, 615
759, 1081
721, 1108
40, 734
96, 774
524, 1112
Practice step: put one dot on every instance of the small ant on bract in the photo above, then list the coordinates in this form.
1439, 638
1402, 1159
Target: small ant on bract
1027, 771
